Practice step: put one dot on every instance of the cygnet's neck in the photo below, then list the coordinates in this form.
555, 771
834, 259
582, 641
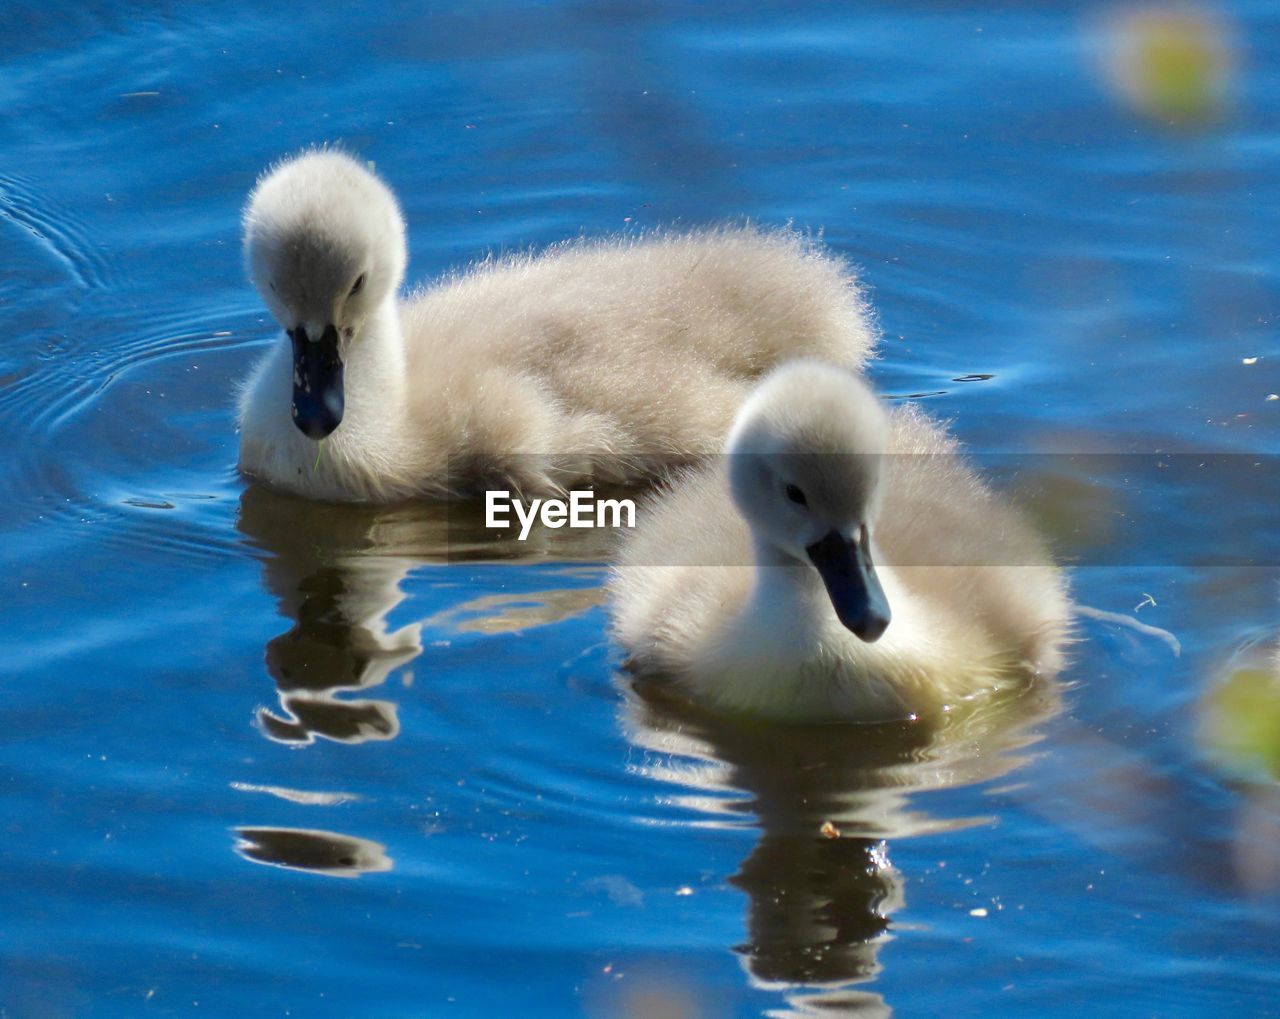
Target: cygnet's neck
786, 603
375, 385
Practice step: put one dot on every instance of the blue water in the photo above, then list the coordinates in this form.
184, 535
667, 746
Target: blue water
271, 759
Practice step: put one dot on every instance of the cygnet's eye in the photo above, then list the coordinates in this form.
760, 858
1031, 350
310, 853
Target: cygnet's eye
272, 285
797, 496
357, 286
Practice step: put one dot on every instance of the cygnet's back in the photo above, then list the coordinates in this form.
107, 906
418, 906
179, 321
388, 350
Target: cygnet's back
633, 352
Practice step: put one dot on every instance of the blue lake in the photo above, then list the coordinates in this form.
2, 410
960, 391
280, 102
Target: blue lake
266, 758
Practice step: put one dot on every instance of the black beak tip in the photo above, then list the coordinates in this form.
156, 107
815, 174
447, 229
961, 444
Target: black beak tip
870, 628
316, 428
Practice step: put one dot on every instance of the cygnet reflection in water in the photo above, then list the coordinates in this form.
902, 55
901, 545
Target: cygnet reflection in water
829, 800
509, 613
319, 852
336, 572
336, 586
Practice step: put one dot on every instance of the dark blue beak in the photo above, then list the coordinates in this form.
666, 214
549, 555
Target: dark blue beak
317, 382
852, 586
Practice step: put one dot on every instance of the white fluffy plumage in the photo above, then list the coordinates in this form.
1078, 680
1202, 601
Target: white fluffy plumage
605, 359
716, 590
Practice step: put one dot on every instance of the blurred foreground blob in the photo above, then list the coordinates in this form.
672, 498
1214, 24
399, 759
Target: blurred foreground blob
1171, 63
1242, 725
646, 990
1241, 733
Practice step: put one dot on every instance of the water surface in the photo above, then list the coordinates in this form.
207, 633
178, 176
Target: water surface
282, 759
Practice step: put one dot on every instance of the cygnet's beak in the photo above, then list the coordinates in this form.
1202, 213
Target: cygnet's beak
317, 382
852, 586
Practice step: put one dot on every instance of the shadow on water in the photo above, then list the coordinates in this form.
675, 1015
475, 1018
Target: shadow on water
828, 800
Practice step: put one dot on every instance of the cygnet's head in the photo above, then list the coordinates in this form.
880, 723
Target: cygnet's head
804, 468
324, 245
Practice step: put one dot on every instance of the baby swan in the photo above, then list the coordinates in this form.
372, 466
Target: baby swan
808, 576
608, 360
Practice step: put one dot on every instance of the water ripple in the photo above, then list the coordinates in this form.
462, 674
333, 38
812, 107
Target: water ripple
88, 424
57, 232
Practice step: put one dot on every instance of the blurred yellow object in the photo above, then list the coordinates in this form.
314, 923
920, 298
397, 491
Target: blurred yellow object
1240, 729
1172, 64
1242, 724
